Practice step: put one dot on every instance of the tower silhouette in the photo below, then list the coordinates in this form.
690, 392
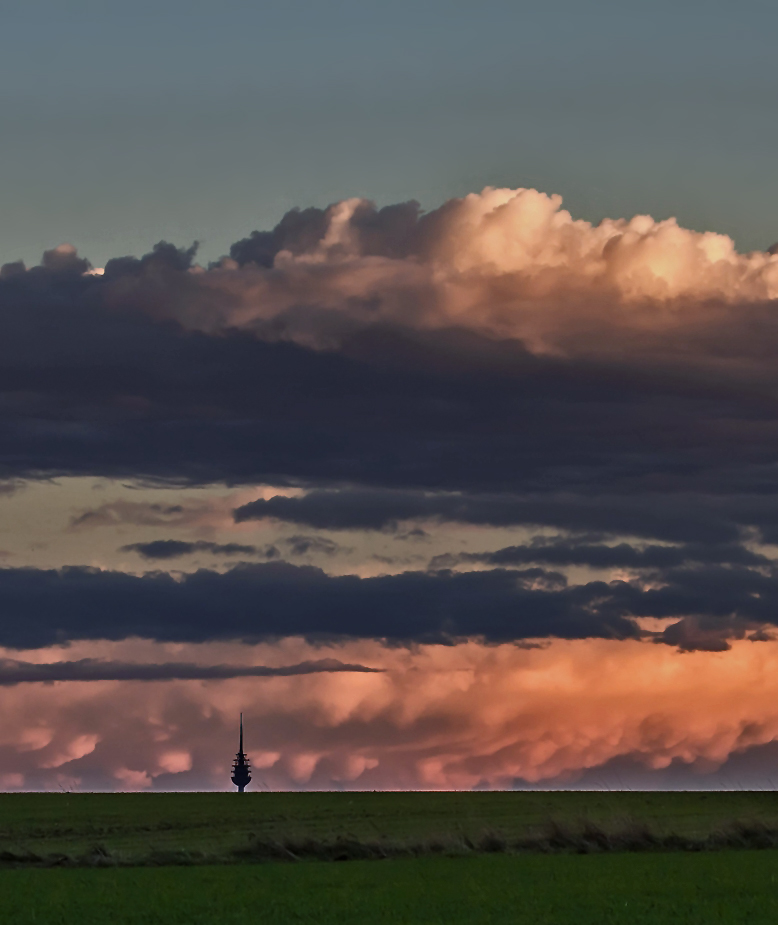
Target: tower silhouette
241, 769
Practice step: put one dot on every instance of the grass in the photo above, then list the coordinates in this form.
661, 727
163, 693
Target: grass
217, 823
545, 858
584, 837
88, 830
641, 889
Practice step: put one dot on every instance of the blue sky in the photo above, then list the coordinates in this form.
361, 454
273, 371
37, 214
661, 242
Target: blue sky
127, 123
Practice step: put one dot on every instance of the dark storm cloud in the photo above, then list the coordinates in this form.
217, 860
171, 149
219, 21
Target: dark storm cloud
263, 601
691, 517
253, 602
91, 669
96, 379
174, 549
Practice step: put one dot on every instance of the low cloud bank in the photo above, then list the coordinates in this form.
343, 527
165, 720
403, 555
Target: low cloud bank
13, 671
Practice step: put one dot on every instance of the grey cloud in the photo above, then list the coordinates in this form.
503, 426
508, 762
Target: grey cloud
265, 601
173, 549
140, 513
599, 555
164, 258
15, 268
299, 545
388, 232
63, 259
693, 634
672, 517
90, 669
303, 545
415, 534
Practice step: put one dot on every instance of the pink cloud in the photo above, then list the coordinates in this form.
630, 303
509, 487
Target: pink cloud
440, 717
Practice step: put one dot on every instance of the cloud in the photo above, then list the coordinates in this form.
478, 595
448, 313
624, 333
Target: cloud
64, 259
13, 671
694, 635
439, 717
507, 263
276, 599
142, 513
493, 363
251, 602
174, 549
690, 517
494, 344
564, 552
303, 545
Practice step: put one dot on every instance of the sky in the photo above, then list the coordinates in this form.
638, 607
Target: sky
127, 123
402, 377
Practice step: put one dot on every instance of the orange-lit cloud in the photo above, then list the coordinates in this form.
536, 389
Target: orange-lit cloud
440, 717
505, 263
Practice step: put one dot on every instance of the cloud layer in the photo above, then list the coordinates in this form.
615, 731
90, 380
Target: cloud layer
494, 343
710, 603
438, 717
576, 426
13, 671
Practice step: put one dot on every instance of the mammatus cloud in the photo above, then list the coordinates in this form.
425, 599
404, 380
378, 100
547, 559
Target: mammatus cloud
438, 717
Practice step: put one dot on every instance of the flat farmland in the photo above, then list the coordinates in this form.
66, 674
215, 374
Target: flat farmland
134, 824
718, 888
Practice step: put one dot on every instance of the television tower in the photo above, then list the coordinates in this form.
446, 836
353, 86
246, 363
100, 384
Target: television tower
241, 769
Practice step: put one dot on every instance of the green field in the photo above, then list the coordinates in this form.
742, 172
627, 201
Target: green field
641, 889
75, 858
210, 823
